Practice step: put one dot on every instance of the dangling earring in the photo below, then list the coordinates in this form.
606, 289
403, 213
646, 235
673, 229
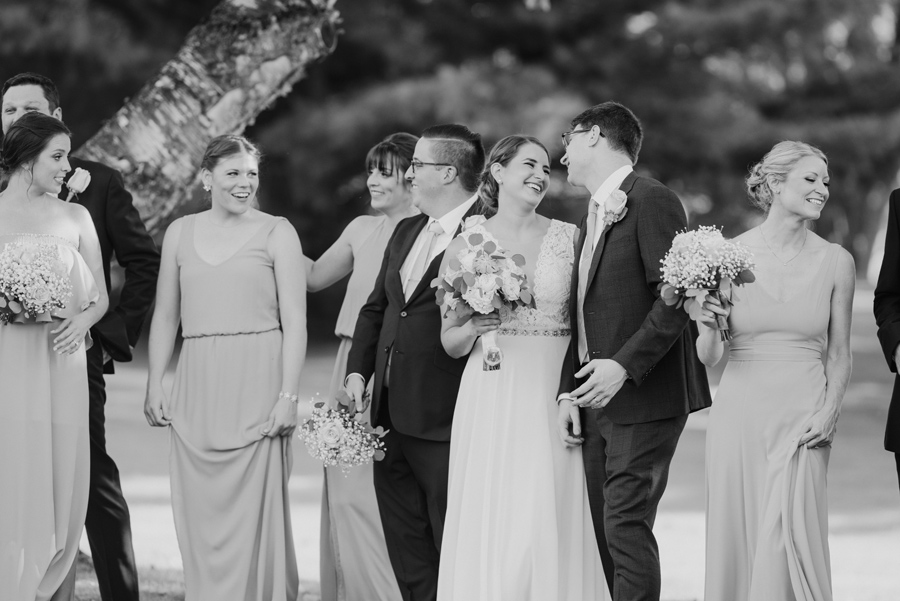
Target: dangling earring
499, 181
206, 187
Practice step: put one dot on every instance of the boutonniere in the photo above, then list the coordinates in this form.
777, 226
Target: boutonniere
78, 183
472, 221
615, 214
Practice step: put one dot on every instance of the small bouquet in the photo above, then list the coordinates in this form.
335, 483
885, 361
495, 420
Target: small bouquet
702, 261
33, 282
341, 437
482, 278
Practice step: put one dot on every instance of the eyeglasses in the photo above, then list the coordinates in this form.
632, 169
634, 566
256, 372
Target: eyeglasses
567, 136
417, 164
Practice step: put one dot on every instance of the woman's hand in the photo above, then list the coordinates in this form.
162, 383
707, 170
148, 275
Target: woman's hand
72, 332
480, 324
711, 310
156, 407
282, 419
818, 431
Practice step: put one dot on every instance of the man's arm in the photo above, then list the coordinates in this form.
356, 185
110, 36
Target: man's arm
887, 291
361, 359
136, 252
661, 216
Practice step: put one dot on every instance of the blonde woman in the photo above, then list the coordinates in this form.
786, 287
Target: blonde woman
773, 419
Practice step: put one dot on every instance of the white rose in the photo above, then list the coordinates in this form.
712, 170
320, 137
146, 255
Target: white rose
79, 181
331, 434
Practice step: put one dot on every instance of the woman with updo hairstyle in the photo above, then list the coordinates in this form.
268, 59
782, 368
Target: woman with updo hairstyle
517, 501
229, 277
353, 559
51, 293
774, 416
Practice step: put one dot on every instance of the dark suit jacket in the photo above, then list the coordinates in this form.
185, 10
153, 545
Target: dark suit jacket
424, 378
625, 319
121, 232
887, 314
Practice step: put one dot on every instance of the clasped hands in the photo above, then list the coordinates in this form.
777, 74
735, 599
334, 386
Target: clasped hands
605, 378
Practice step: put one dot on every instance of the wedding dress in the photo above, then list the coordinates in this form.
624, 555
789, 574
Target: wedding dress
518, 523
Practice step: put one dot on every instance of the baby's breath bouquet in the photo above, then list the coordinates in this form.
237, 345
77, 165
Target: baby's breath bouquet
703, 262
33, 282
482, 278
339, 436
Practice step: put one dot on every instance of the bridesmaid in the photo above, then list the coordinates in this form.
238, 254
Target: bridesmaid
229, 276
44, 442
773, 419
354, 562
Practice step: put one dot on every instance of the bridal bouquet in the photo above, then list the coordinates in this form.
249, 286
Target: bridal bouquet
482, 278
33, 281
702, 261
339, 437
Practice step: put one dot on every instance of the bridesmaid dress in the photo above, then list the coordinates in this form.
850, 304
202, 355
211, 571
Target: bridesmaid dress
229, 482
767, 517
44, 444
354, 561
518, 524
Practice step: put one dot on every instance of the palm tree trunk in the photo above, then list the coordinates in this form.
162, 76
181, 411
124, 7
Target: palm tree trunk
231, 68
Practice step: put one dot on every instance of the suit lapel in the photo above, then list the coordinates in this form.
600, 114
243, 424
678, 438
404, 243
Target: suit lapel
626, 187
418, 223
432, 271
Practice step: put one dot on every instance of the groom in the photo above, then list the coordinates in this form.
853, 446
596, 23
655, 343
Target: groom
398, 340
632, 375
121, 232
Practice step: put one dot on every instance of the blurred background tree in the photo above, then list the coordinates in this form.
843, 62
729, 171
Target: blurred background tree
715, 83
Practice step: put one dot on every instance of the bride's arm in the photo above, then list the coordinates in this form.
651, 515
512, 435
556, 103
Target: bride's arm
458, 336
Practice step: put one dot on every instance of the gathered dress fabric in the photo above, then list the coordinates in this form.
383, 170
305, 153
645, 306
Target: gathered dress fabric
229, 481
44, 443
767, 514
518, 519
354, 561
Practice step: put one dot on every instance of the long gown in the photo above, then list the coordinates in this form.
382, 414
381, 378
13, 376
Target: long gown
767, 515
518, 523
229, 482
354, 561
44, 445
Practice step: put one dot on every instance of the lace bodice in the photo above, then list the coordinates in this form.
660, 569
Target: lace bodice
551, 285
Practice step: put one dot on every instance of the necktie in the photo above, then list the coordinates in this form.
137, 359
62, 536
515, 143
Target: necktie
584, 268
417, 271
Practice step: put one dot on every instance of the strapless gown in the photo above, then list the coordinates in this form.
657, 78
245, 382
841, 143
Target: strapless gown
44, 444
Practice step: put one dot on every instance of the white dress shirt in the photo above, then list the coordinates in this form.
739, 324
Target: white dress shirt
449, 223
612, 183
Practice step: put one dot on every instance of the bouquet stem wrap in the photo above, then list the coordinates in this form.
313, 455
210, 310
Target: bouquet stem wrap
721, 321
490, 351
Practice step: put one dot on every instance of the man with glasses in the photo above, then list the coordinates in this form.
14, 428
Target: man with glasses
632, 375
398, 341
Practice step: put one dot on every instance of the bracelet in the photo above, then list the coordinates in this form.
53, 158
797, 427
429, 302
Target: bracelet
286, 395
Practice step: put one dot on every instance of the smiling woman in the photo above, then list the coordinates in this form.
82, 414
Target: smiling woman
229, 276
50, 264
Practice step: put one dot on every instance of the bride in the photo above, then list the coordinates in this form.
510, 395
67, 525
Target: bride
518, 520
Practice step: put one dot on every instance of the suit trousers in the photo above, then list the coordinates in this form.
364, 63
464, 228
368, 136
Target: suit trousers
411, 489
627, 467
897, 460
108, 523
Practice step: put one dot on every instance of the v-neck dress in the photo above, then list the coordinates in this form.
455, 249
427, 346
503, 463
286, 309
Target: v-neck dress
229, 482
767, 518
518, 525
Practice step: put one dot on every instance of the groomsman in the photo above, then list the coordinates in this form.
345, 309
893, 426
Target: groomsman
398, 340
121, 231
632, 375
887, 316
